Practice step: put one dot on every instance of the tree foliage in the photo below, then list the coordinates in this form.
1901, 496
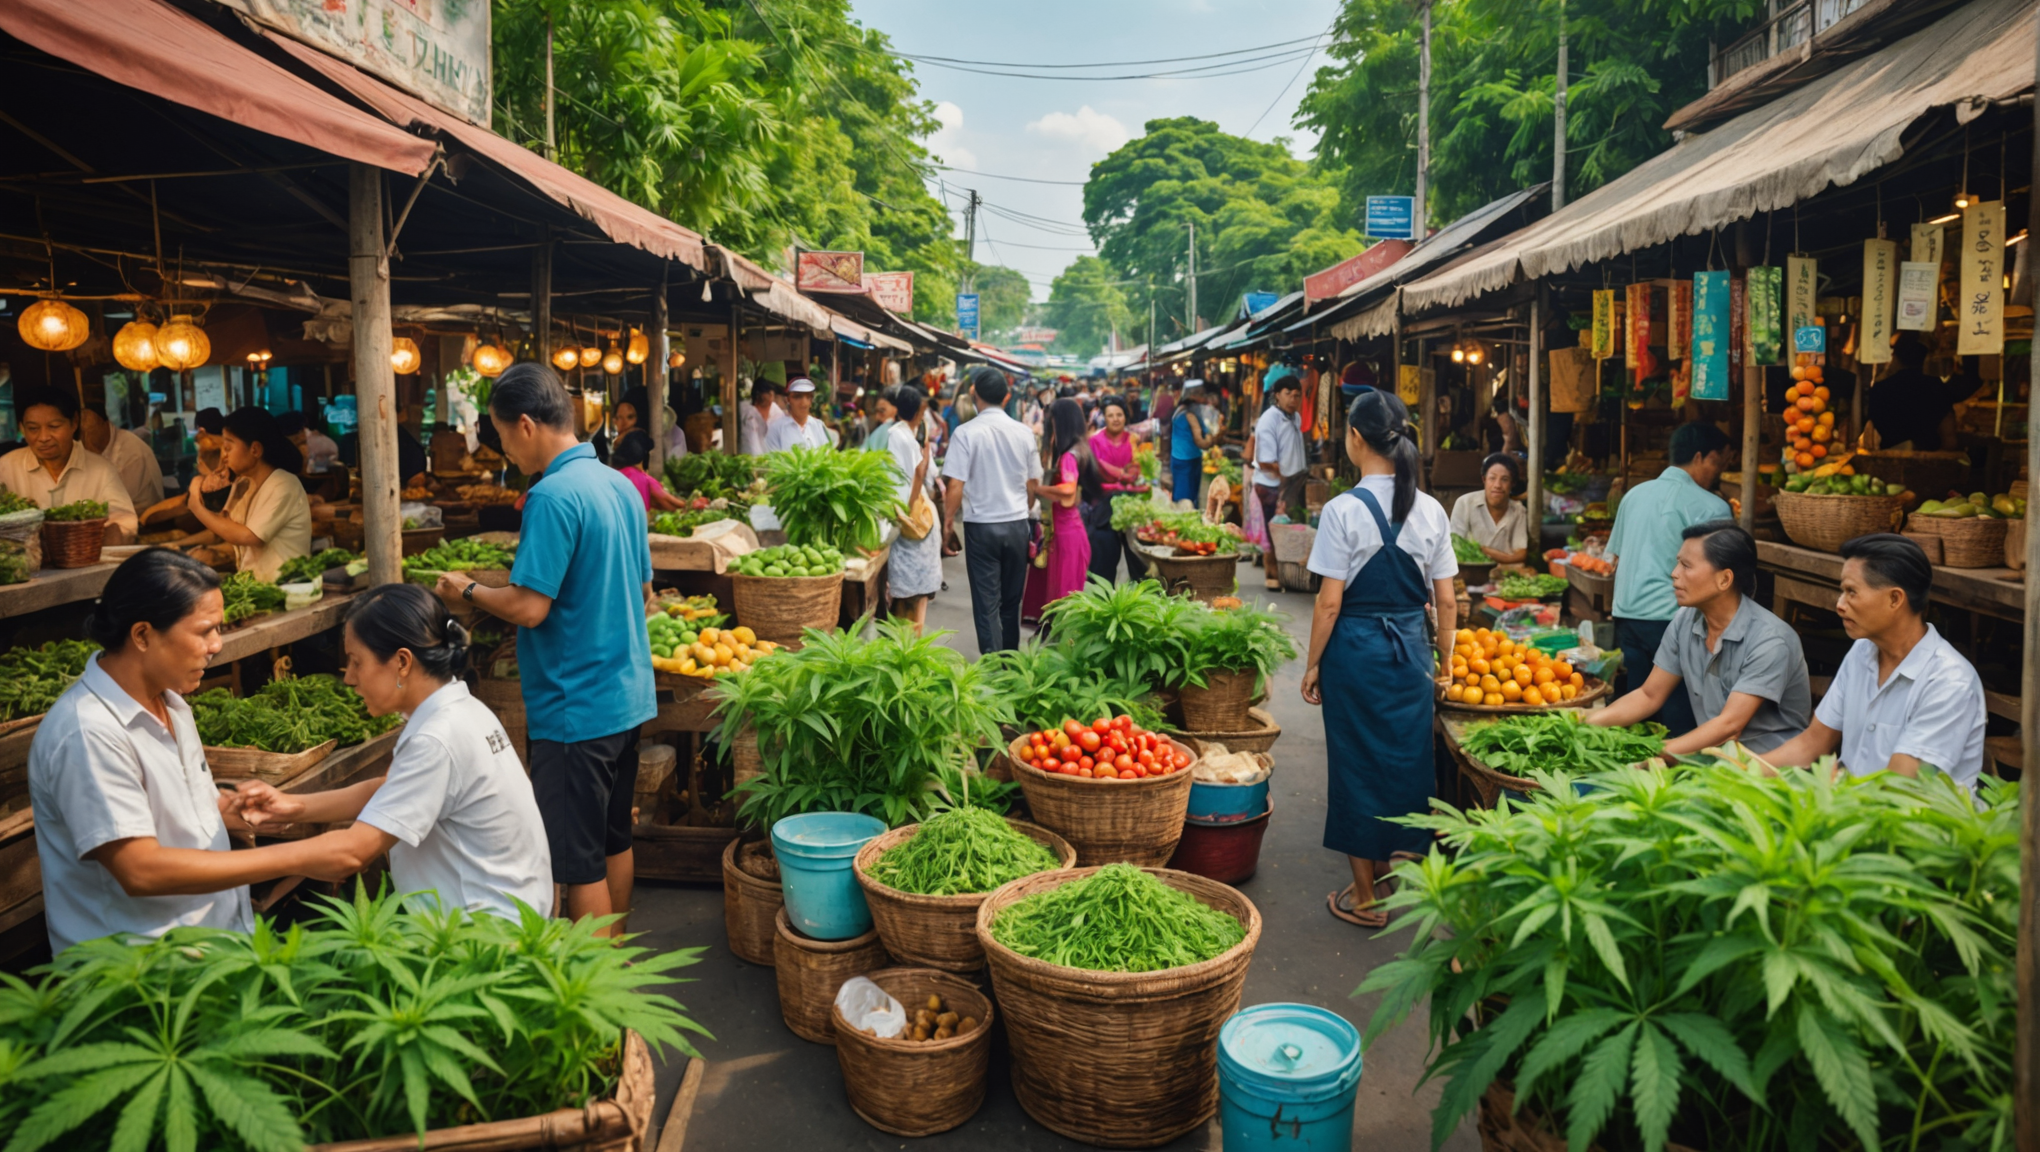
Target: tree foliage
1003, 296
1086, 305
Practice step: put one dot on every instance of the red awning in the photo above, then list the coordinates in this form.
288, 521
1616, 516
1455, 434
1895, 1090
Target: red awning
152, 46
619, 219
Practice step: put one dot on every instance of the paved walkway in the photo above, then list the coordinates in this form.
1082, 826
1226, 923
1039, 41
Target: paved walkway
767, 1089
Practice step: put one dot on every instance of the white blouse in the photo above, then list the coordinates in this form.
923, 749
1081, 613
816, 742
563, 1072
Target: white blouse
1347, 537
1471, 519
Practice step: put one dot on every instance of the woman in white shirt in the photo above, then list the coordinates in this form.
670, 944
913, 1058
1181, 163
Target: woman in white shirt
915, 570
1384, 550
268, 518
455, 812
1491, 517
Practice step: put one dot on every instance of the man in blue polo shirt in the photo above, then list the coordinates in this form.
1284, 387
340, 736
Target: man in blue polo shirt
577, 596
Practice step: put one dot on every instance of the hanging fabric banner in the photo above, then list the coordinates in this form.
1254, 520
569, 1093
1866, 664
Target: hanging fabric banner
1603, 345
1802, 285
1712, 333
1738, 328
1980, 327
1679, 319
1926, 244
1918, 284
1636, 332
1766, 341
1880, 297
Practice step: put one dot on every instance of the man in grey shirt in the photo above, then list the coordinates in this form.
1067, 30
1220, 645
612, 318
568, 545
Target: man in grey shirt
1741, 666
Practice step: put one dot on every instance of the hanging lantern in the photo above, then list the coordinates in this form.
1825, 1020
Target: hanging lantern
134, 346
491, 359
612, 362
566, 357
54, 326
676, 359
590, 356
404, 355
639, 347
182, 344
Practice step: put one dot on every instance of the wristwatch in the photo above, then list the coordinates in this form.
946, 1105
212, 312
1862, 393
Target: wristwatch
468, 593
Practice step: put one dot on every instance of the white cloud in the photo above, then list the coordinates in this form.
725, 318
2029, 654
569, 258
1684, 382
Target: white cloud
947, 140
948, 115
1093, 130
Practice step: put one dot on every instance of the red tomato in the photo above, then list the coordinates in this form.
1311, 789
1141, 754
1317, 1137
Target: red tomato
1123, 762
1144, 758
1106, 774
1102, 725
1088, 740
1072, 729
1182, 761
1069, 769
1143, 770
1085, 763
1122, 722
1085, 772
1070, 754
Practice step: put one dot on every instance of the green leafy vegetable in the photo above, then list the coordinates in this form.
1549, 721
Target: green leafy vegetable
1467, 552
303, 569
1530, 742
1133, 510
31, 679
1118, 919
460, 556
710, 473
1045, 685
245, 595
1537, 587
287, 716
684, 523
962, 850
836, 499
78, 510
10, 503
1133, 633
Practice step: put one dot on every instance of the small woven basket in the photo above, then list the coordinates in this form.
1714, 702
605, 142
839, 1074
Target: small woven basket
934, 931
1221, 705
750, 905
810, 971
1259, 734
72, 543
911, 1089
1971, 542
1825, 523
1109, 821
1204, 577
778, 608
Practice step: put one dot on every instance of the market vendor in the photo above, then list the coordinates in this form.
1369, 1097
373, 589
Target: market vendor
1492, 517
319, 450
1384, 550
1903, 696
130, 455
1114, 448
455, 811
56, 468
757, 416
268, 518
633, 450
1650, 525
1279, 461
798, 426
1740, 667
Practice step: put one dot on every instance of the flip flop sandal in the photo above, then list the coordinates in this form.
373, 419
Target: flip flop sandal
1341, 907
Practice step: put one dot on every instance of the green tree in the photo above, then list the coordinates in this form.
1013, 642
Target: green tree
1086, 304
1002, 298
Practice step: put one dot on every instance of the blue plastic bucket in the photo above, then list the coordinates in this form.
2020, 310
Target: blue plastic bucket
815, 852
1211, 801
1287, 1074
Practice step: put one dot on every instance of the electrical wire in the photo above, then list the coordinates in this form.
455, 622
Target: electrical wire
1252, 64
1292, 81
1021, 179
1102, 63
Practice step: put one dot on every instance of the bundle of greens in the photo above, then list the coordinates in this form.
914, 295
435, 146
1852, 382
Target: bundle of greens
366, 1022
246, 595
1537, 587
1243, 639
1118, 919
1044, 684
710, 473
1133, 633
78, 510
961, 850
1133, 510
460, 556
287, 716
303, 569
14, 565
836, 499
31, 679
1559, 742
10, 503
679, 523
1467, 552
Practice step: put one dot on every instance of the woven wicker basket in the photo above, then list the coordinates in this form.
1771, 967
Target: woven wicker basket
1929, 542
25, 528
268, 767
1973, 542
810, 971
747, 762
1825, 523
934, 931
778, 608
1205, 577
911, 1089
72, 543
1118, 1059
1260, 736
1222, 704
750, 904
1109, 821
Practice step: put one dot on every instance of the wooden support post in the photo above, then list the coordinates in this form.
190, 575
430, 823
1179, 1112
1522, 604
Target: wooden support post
1533, 436
656, 370
730, 424
541, 296
2026, 1058
375, 382
1752, 443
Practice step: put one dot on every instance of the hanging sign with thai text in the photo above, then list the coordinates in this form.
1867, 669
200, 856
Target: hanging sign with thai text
1802, 288
1679, 319
1918, 285
1766, 337
1636, 332
1603, 344
1980, 297
1712, 335
1926, 244
1880, 299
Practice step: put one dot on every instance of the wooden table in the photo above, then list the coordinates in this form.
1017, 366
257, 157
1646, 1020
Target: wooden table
50, 587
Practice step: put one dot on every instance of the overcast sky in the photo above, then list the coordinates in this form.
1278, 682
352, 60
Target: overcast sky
1056, 129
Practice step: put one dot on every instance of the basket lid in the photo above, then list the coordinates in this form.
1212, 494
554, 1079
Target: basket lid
1294, 1053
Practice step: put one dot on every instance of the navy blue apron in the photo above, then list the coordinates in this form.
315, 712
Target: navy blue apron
1378, 687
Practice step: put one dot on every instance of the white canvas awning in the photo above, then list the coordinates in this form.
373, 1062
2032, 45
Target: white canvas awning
1831, 132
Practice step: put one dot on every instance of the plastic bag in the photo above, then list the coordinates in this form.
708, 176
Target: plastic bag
421, 514
870, 1008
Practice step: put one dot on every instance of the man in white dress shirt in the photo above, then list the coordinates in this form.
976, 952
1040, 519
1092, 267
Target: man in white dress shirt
55, 469
991, 469
1279, 459
756, 416
128, 453
798, 426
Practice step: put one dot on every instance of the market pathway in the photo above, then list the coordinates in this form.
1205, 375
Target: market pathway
767, 1089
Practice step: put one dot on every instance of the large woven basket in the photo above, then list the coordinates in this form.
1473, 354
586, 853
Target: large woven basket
778, 608
810, 971
268, 767
72, 543
1204, 577
1118, 1059
1109, 821
1221, 705
746, 761
911, 1089
1259, 735
1972, 542
750, 904
1825, 523
934, 931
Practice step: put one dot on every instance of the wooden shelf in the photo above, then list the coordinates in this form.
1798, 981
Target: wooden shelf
282, 628
1999, 592
50, 587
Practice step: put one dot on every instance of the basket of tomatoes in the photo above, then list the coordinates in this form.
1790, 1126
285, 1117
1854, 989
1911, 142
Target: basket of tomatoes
1493, 673
1115, 791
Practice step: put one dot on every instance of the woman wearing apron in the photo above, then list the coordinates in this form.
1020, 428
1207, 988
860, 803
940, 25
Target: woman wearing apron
1384, 550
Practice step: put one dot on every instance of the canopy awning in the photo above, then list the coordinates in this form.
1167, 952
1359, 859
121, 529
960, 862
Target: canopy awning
157, 48
1832, 132
1359, 314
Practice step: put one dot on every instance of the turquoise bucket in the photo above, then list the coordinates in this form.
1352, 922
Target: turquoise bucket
815, 851
1287, 1074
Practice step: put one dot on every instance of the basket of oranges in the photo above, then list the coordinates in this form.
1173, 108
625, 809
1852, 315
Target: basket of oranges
1493, 673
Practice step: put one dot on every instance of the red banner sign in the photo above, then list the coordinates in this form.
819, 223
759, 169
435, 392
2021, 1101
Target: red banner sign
1352, 270
1679, 320
894, 291
1636, 343
830, 272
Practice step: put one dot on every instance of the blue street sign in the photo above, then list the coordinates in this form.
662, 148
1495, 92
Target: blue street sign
967, 314
1811, 338
1260, 301
1391, 217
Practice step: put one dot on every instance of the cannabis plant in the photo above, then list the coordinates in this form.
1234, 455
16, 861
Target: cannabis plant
1136, 633
1045, 685
838, 499
1248, 638
1704, 955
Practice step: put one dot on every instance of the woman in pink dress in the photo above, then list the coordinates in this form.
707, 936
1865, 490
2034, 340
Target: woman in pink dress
1076, 484
1113, 447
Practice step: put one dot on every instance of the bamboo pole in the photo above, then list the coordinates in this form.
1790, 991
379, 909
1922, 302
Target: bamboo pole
1533, 436
730, 424
657, 370
375, 382
2026, 1060
1752, 443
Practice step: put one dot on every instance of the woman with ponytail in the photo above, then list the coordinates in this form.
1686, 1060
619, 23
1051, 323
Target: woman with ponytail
1384, 551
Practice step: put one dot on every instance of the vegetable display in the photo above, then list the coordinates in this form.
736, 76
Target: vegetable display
1133, 633
789, 560
301, 569
961, 850
830, 499
679, 523
1491, 669
31, 679
466, 555
1559, 742
1247, 638
1536, 587
1467, 552
708, 652
710, 473
1045, 683
287, 716
14, 565
10, 503
245, 596
1108, 748
1133, 510
2003, 506
1118, 919
1843, 481
78, 510
934, 1021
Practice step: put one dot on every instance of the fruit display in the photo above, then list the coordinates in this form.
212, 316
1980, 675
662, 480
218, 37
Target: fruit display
789, 560
1976, 505
1188, 534
1809, 424
1108, 748
1491, 669
1592, 565
705, 653
1838, 477
700, 611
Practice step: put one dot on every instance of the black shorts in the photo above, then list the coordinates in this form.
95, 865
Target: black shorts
584, 791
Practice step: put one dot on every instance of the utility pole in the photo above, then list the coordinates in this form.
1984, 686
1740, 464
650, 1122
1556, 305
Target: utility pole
1558, 127
551, 147
970, 211
1418, 226
1191, 280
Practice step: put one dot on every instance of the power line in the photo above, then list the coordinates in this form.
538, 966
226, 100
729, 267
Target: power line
1102, 63
1021, 179
1200, 73
1292, 81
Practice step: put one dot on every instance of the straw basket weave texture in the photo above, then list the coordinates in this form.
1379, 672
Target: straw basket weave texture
1118, 1059
1259, 736
1221, 705
810, 971
72, 543
1825, 523
1109, 821
777, 608
1972, 542
750, 904
269, 767
934, 931
746, 761
1205, 577
911, 1089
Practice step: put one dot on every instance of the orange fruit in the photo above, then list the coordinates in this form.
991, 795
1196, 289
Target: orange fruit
1806, 424
1813, 373
1826, 418
1543, 676
1568, 691
1561, 669
1821, 393
1818, 450
1464, 635
1512, 691
1578, 680
1491, 684
1799, 372
1472, 681
1804, 460
1805, 403
1822, 433
1479, 666
1532, 696
1493, 700
1523, 675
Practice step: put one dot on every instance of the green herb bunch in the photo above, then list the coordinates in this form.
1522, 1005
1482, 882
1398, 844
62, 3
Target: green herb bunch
78, 510
1044, 684
304, 569
1708, 956
684, 523
1466, 551
31, 679
1536, 587
1118, 919
11, 503
961, 850
826, 497
1133, 510
1249, 638
369, 1021
710, 473
246, 594
287, 716
1531, 742
1134, 633
889, 726
460, 556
